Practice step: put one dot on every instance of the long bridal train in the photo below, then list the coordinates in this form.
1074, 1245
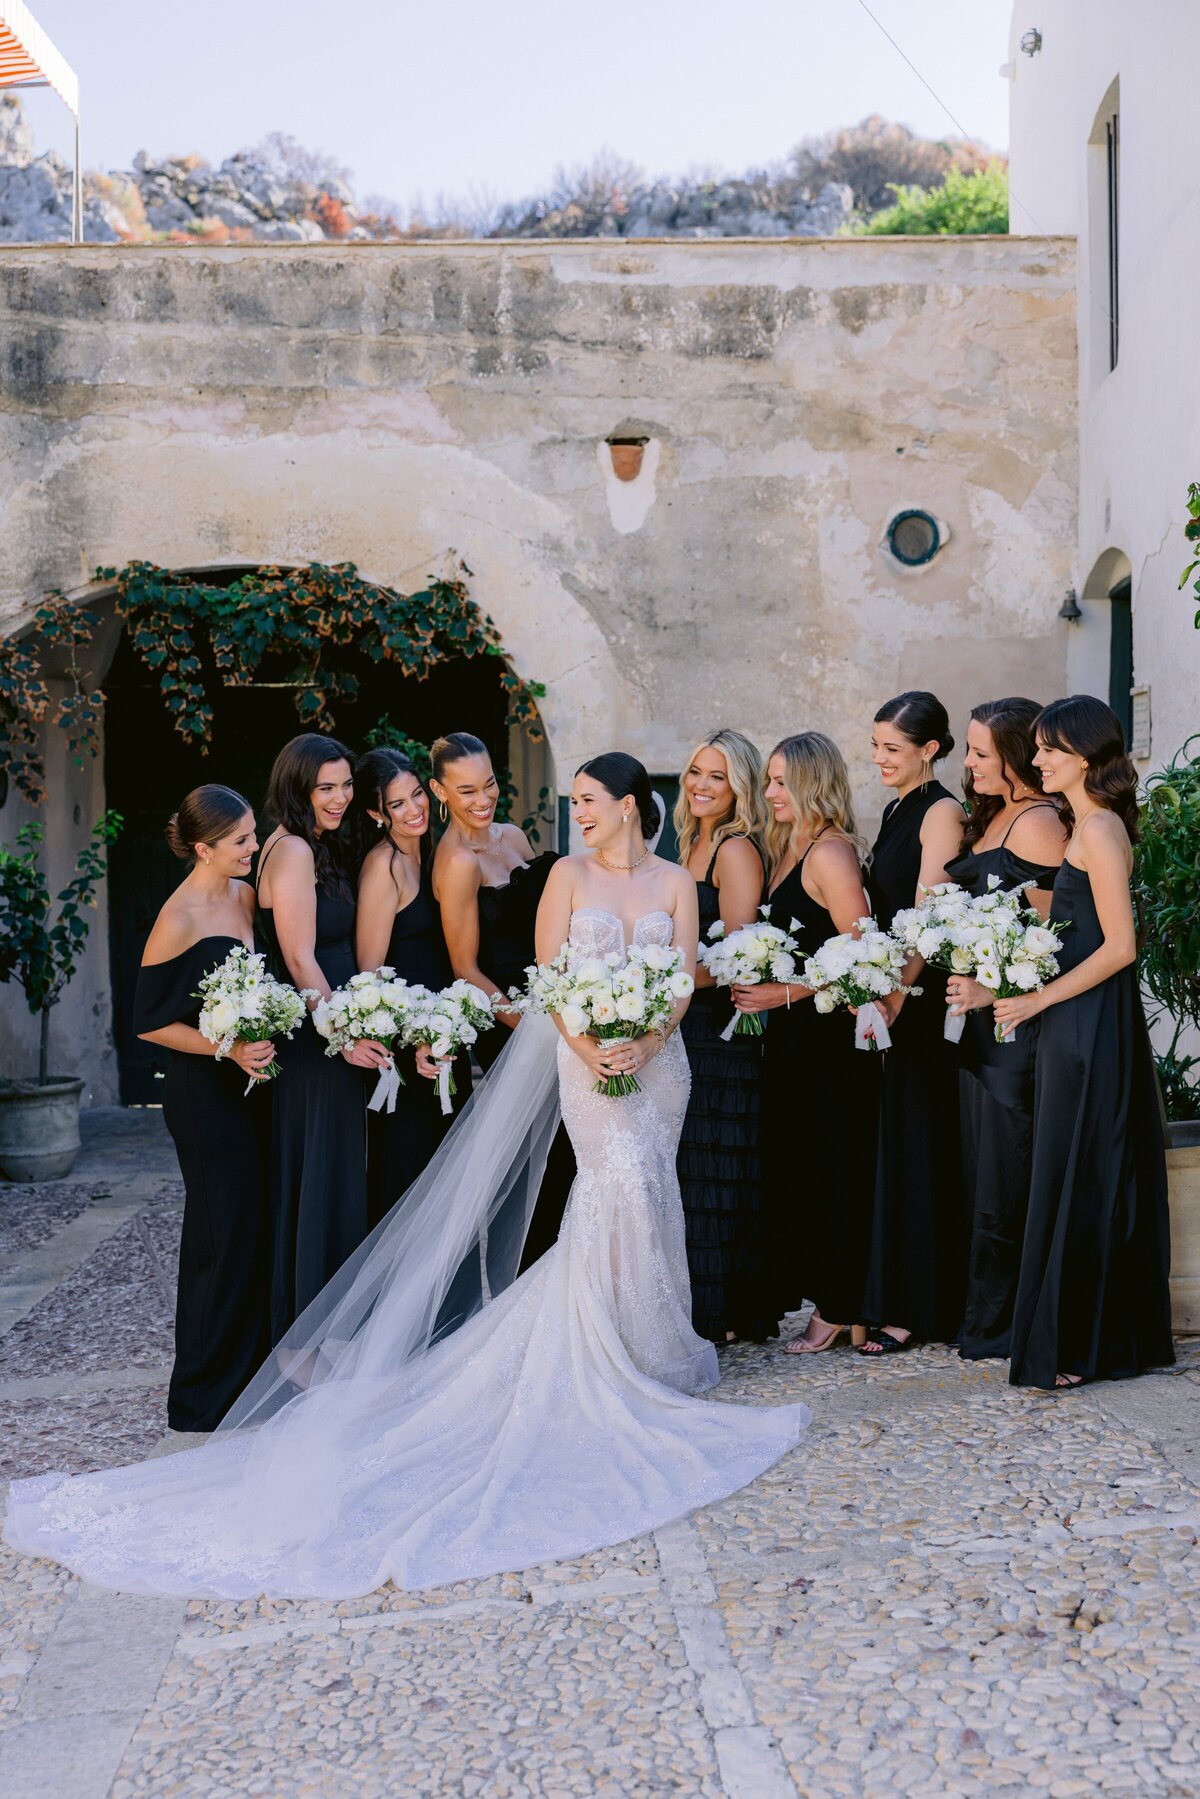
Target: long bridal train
561, 1416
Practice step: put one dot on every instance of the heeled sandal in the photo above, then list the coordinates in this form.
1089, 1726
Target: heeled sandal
881, 1343
803, 1345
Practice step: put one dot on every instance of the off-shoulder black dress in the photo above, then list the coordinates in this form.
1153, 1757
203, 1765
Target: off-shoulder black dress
401, 1143
1093, 1296
917, 1262
221, 1136
720, 1173
819, 1123
995, 1091
319, 1210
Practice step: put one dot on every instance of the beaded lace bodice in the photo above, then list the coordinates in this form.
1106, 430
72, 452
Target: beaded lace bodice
594, 932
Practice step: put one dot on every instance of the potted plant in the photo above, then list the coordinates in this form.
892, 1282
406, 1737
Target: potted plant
39, 1119
1167, 878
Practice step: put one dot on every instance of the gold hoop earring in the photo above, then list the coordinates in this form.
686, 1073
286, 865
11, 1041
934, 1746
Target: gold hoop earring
443, 811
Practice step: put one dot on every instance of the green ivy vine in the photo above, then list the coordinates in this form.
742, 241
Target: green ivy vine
301, 616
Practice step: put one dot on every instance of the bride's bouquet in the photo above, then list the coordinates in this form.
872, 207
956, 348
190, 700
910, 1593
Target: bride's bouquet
375, 1006
745, 958
241, 1002
447, 1022
856, 971
601, 997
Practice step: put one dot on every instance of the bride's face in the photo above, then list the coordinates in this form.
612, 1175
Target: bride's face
601, 818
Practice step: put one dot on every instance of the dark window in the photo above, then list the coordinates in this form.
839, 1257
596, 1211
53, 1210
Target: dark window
1112, 139
913, 538
1120, 655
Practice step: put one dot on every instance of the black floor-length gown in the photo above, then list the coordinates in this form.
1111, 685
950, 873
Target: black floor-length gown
319, 1212
401, 1143
995, 1091
221, 1136
507, 917
720, 1174
1093, 1296
820, 1105
918, 1250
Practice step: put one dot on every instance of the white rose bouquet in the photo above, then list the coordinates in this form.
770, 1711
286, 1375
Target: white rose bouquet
940, 929
447, 1022
241, 1002
605, 998
373, 1006
1012, 950
856, 971
758, 952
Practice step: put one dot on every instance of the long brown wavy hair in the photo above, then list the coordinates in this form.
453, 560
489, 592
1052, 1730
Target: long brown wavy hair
1084, 726
289, 804
1010, 724
373, 775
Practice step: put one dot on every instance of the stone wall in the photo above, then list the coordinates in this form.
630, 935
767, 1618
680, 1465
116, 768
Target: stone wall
384, 404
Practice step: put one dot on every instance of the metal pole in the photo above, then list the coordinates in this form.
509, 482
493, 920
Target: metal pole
77, 193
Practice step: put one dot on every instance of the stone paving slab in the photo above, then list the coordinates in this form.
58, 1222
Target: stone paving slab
949, 1588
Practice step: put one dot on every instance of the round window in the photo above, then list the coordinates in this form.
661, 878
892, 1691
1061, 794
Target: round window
913, 537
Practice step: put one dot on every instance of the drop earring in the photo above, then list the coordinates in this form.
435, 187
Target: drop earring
443, 811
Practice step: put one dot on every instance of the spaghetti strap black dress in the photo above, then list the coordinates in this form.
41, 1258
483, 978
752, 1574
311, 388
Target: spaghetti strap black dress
995, 1092
507, 916
319, 1213
720, 1174
401, 1143
917, 1262
222, 1137
1093, 1297
819, 1121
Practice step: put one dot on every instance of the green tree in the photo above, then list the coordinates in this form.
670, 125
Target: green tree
964, 205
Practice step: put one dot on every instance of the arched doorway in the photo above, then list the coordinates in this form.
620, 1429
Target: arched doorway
1111, 580
148, 767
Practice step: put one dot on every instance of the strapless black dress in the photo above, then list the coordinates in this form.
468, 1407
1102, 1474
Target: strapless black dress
1093, 1297
720, 1174
995, 1091
222, 1136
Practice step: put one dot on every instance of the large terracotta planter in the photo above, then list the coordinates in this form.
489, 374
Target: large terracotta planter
39, 1128
1183, 1180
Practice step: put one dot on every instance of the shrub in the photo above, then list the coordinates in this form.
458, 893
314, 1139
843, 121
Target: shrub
964, 205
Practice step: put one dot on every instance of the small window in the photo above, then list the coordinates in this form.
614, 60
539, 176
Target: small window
1112, 165
914, 537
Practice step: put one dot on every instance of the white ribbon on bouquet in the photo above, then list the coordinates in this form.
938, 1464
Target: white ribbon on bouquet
870, 1028
443, 1085
387, 1087
956, 1024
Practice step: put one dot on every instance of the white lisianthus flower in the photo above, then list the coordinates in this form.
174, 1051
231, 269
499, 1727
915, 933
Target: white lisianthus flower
717, 931
574, 1020
988, 975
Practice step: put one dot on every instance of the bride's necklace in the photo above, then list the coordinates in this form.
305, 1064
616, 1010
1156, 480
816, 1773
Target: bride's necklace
622, 867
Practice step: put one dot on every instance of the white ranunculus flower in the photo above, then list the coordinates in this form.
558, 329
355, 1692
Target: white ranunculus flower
604, 1011
681, 983
1039, 941
590, 970
824, 1000
656, 957
367, 998
574, 1020
629, 1007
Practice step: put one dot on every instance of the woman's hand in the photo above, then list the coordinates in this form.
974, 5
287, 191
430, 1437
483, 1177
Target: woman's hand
766, 996
615, 1058
253, 1058
1012, 1012
965, 994
366, 1053
427, 1063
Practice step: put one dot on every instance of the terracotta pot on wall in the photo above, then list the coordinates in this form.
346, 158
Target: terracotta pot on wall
627, 459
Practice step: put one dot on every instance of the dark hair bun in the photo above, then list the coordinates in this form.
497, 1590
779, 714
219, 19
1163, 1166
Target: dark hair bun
206, 815
920, 717
620, 775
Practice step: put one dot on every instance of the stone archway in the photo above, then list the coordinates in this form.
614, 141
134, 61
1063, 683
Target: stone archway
1110, 587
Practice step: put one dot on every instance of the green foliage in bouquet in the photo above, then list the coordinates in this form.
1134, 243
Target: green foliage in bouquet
41, 954
1167, 881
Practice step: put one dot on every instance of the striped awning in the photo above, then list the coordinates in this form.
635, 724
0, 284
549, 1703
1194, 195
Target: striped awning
29, 59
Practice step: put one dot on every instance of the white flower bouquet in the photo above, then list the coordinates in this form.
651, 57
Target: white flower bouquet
940, 929
856, 971
745, 958
605, 998
370, 1006
241, 1002
447, 1022
1012, 951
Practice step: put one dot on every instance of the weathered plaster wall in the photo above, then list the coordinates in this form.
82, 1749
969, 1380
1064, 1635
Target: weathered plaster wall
386, 403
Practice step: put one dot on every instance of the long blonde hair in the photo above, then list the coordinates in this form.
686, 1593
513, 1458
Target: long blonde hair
744, 769
818, 785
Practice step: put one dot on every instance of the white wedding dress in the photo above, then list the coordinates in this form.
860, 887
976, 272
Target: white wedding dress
561, 1417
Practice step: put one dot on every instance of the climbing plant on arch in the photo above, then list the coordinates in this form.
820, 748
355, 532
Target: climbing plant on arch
296, 618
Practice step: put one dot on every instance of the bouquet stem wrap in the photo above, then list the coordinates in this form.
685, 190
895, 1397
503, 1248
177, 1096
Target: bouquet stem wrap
445, 1085
871, 1029
956, 1024
387, 1087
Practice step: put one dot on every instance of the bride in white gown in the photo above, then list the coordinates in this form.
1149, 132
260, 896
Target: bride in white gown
562, 1415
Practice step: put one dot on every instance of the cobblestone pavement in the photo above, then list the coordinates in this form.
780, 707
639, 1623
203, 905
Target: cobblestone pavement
949, 1589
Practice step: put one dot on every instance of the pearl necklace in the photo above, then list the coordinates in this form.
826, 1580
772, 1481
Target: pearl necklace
622, 867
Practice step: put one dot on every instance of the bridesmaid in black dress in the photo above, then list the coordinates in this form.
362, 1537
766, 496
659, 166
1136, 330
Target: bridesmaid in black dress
1092, 1298
488, 882
917, 1258
221, 1133
720, 824
398, 924
319, 1126
1016, 835
820, 1094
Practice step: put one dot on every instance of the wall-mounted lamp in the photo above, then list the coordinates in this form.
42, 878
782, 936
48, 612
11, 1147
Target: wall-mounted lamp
1070, 608
1031, 43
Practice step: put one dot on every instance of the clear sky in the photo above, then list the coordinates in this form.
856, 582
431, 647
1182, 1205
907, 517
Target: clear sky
491, 96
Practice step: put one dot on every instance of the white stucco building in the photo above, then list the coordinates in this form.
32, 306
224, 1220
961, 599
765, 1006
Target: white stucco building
1105, 147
